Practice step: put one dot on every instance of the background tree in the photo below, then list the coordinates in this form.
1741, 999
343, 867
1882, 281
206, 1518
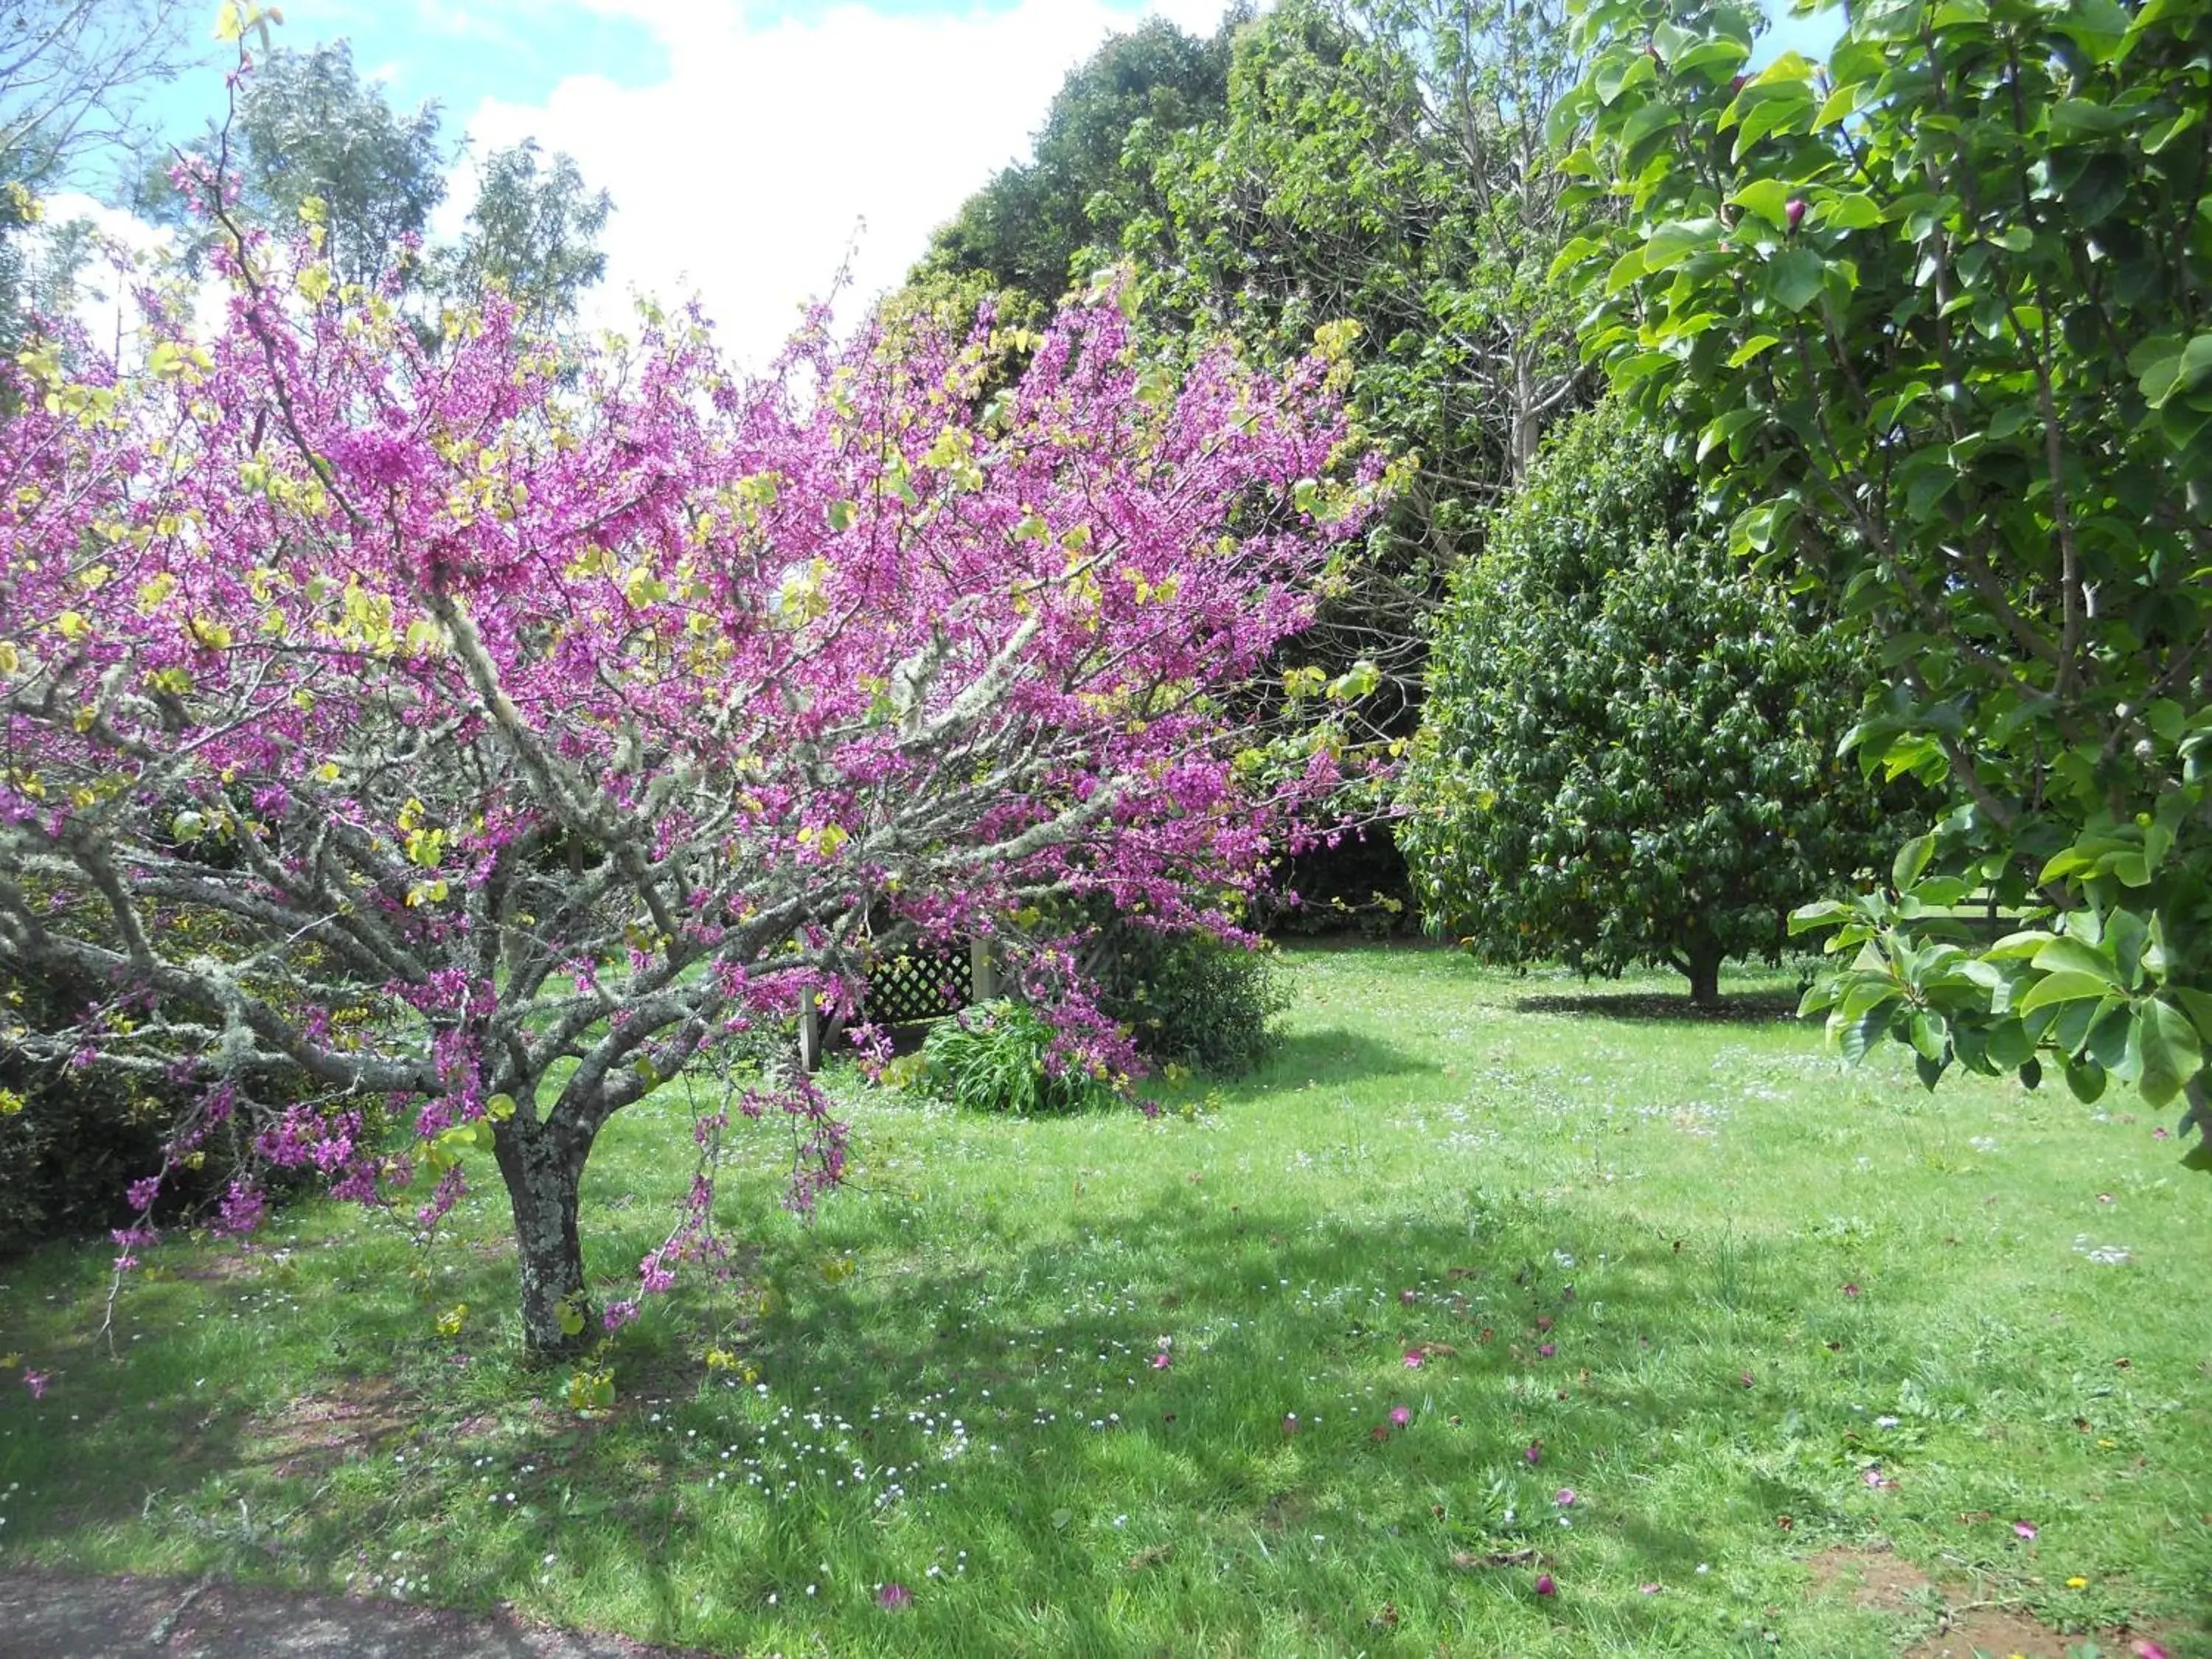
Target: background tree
486, 735
1025, 229
534, 230
1940, 309
1380, 173
304, 124
305, 127
1627, 752
73, 76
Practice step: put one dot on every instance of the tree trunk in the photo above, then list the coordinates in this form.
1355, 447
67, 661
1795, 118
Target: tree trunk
1704, 967
542, 1175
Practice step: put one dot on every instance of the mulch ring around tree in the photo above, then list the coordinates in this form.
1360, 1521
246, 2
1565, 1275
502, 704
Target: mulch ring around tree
1965, 1625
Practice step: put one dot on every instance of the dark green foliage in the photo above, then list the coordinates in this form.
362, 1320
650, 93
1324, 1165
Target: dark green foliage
1381, 164
1379, 175
534, 230
1936, 312
306, 124
1359, 887
71, 1142
1629, 748
1025, 229
1193, 999
996, 1057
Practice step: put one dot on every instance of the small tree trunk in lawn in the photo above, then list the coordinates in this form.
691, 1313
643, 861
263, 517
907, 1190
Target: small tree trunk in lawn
1704, 968
542, 1175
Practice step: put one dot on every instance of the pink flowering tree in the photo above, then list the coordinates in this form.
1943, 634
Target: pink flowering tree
427, 750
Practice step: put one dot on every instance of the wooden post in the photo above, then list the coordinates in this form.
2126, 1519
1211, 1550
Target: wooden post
983, 973
810, 1035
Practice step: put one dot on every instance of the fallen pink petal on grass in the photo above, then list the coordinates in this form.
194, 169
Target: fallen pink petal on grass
1401, 1416
894, 1596
1544, 1586
2024, 1529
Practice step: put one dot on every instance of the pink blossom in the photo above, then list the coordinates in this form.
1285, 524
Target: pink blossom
36, 1382
1545, 1350
2024, 1529
1566, 1498
1400, 1417
461, 587
1414, 1359
894, 1597
243, 1210
1544, 1586
1535, 1454
1162, 1361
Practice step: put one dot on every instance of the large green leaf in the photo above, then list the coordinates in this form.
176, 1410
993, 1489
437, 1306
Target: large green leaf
2163, 1051
1795, 278
2063, 987
2071, 955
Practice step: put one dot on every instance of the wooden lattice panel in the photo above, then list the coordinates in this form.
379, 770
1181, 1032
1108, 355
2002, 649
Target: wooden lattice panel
916, 985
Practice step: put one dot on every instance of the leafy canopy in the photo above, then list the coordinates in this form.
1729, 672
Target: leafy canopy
1936, 312
1627, 752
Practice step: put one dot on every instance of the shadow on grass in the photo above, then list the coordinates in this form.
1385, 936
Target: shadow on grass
1211, 1428
1332, 1055
1747, 1008
629, 1497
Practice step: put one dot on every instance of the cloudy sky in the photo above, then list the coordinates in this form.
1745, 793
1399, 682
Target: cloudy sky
748, 143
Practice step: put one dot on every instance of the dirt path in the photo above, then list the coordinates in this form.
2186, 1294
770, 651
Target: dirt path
53, 1615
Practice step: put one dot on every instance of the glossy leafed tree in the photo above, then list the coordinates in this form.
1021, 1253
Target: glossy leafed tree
1628, 749
1933, 314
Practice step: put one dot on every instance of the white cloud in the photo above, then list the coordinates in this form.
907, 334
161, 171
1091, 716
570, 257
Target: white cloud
745, 176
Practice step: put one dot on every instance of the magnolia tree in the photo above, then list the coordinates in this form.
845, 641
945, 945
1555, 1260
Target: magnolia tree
1936, 312
430, 749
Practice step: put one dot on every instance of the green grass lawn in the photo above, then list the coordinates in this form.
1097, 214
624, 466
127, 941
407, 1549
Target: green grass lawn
1747, 1306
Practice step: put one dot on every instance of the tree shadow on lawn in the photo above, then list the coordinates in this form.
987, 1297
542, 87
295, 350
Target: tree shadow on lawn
1212, 1445
1272, 1309
1334, 1055
1649, 1007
